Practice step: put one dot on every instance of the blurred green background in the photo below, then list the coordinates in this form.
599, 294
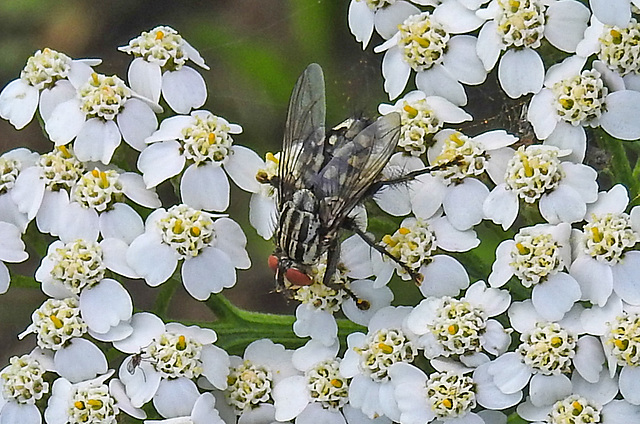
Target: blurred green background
255, 48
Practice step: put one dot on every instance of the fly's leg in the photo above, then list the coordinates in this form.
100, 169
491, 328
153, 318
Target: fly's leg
415, 276
375, 187
333, 255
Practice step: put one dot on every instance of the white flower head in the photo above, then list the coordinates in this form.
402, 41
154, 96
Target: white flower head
537, 174
456, 186
421, 117
383, 15
573, 98
415, 243
22, 380
160, 66
369, 358
425, 44
164, 354
253, 378
519, 27
461, 328
203, 142
321, 389
88, 401
604, 261
101, 113
55, 322
183, 233
48, 78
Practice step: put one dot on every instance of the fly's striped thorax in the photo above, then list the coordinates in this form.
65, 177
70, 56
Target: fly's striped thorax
299, 228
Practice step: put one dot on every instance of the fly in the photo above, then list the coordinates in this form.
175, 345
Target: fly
322, 176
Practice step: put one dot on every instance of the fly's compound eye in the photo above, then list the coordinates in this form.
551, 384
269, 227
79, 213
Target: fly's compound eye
297, 277
273, 263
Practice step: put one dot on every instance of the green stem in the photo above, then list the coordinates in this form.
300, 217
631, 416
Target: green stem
163, 300
620, 166
236, 328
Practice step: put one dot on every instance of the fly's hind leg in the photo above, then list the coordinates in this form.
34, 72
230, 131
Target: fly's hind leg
415, 276
333, 256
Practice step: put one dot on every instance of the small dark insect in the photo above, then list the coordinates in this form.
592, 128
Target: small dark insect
134, 363
322, 176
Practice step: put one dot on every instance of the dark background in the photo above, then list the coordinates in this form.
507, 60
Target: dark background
255, 49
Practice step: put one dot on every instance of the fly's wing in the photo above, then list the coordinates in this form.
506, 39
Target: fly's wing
302, 148
354, 167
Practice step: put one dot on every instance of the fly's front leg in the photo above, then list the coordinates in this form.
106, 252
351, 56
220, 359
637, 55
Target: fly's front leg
333, 256
416, 276
410, 176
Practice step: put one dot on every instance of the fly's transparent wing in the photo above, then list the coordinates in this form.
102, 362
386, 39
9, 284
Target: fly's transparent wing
302, 148
344, 181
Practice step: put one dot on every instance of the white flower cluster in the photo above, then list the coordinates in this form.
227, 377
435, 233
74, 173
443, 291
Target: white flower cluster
551, 337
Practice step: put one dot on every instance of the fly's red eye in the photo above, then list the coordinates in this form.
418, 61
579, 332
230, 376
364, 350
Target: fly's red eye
273, 262
297, 277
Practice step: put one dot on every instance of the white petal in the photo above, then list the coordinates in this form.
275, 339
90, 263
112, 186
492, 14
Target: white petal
521, 72
175, 397
184, 89
447, 111
18, 103
388, 18
14, 412
451, 239
619, 411
501, 206
134, 188
547, 389
456, 18
231, 239
462, 61
291, 396
612, 12
198, 278
541, 114
568, 137
241, 167
96, 140
263, 215
495, 139
438, 81
28, 191
114, 257
160, 161
463, 204
489, 45
501, 270
205, 187
315, 323
564, 204
361, 21
171, 128
11, 245
105, 305
52, 210
65, 122
121, 222
151, 259
613, 201
565, 25
136, 122
553, 298
589, 358
488, 394
581, 178
602, 392
215, 365
629, 377
62, 91
444, 276
145, 78
619, 120
78, 222
625, 274
427, 194
395, 71
80, 360
595, 319
509, 373
595, 279
146, 326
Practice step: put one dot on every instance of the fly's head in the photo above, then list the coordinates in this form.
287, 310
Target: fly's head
289, 274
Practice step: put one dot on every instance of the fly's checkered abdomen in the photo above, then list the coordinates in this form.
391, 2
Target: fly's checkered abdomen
299, 228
